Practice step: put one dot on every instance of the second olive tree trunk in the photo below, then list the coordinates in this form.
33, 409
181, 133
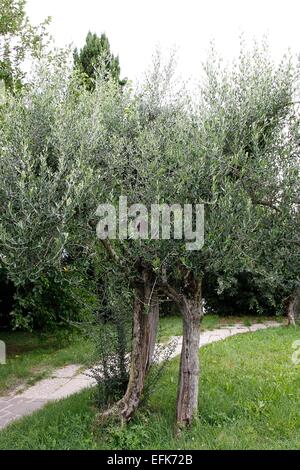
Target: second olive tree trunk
189, 372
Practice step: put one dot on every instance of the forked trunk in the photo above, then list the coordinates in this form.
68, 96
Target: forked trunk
187, 396
145, 323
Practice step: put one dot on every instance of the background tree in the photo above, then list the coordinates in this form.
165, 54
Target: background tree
18, 40
94, 54
39, 195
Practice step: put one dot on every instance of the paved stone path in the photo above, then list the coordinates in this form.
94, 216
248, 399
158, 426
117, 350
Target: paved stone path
71, 379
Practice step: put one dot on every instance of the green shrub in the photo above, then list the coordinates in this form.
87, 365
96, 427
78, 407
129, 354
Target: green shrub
55, 299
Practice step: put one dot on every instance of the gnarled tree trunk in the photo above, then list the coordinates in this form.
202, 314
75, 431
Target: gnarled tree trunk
189, 372
189, 300
292, 305
145, 324
187, 397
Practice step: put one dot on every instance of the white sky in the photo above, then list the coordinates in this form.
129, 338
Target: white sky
136, 27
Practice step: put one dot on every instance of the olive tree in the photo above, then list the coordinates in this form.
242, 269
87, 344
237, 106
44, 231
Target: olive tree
242, 161
232, 147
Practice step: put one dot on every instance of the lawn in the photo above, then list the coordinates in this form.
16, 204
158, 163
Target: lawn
32, 356
172, 326
249, 399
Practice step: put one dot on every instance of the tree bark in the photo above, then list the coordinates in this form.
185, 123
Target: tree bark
189, 371
290, 311
189, 301
145, 324
292, 307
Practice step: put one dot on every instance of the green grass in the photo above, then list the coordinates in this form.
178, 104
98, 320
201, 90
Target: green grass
172, 326
32, 356
249, 399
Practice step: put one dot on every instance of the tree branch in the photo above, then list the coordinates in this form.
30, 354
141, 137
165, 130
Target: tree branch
114, 256
169, 290
266, 204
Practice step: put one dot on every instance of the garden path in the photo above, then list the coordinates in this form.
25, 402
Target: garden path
72, 378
